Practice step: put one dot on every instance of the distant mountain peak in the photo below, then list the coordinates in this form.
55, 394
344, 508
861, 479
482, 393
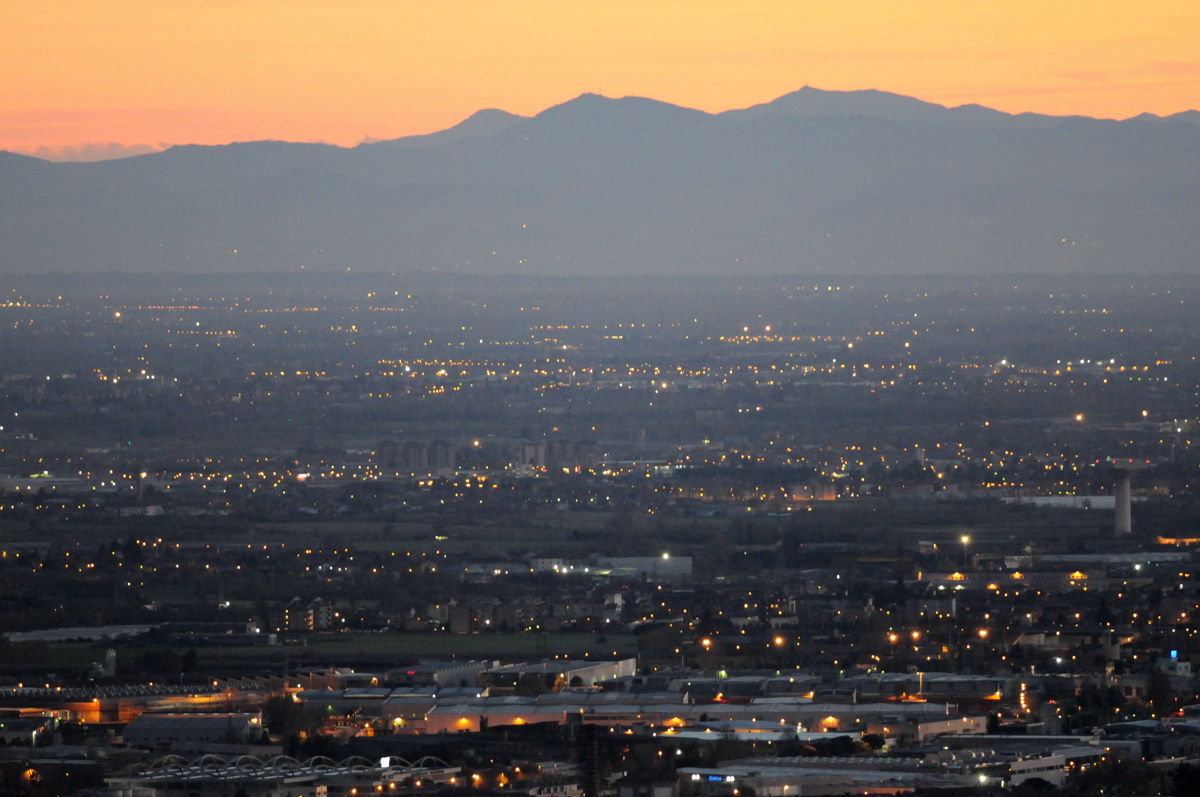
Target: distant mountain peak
486, 122
814, 102
1191, 117
483, 123
590, 105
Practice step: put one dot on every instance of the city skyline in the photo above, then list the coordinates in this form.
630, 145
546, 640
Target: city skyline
97, 82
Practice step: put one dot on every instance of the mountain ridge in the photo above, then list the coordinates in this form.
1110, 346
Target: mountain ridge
811, 182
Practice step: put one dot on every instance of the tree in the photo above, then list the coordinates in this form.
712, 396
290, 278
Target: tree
285, 717
531, 685
1113, 778
1159, 692
1186, 779
1034, 786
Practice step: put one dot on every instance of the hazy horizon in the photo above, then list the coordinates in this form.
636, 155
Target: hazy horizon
146, 73
95, 151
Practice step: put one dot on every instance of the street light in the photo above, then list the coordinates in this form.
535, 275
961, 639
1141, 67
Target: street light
966, 540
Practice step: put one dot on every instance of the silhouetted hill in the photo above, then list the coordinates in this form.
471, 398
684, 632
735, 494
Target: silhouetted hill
813, 102
478, 124
813, 182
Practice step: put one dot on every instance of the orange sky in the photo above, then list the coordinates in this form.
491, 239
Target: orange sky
84, 74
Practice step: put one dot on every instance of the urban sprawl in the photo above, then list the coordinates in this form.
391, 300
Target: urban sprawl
635, 537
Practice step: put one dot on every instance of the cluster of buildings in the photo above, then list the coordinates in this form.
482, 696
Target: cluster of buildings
878, 545
572, 728
966, 663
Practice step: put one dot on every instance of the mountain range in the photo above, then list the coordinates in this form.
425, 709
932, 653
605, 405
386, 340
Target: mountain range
815, 182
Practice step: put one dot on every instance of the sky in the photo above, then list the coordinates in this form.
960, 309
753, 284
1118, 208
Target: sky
88, 79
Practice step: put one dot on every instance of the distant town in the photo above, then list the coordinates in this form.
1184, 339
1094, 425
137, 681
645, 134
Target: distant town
636, 537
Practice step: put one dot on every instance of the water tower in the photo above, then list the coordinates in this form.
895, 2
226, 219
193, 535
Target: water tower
1123, 470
